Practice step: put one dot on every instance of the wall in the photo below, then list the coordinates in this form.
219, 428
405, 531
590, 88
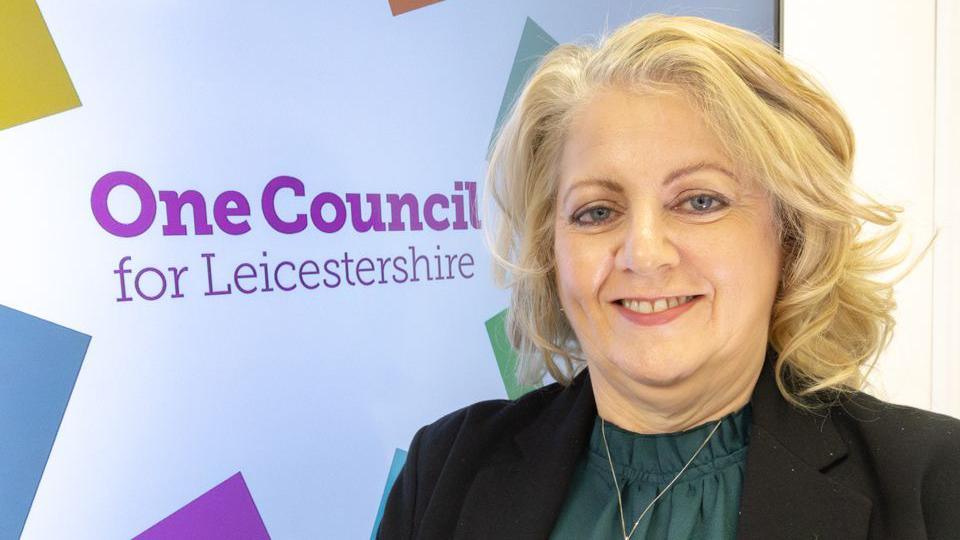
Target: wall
893, 67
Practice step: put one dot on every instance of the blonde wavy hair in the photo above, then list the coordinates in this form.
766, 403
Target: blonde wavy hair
829, 318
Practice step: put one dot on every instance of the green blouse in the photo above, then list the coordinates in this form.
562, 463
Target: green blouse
702, 504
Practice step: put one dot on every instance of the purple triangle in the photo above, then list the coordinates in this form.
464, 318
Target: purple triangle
226, 511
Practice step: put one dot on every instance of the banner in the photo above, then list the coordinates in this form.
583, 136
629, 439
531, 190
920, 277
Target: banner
242, 259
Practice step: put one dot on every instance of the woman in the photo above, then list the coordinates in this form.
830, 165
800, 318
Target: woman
679, 231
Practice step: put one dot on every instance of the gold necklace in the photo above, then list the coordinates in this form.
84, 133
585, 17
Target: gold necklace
623, 524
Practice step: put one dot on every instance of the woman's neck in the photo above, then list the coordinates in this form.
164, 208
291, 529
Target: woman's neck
696, 400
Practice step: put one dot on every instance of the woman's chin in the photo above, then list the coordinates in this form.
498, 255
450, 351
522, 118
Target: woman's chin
655, 372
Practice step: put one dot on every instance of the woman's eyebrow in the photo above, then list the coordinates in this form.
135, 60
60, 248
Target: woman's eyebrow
605, 183
675, 174
689, 169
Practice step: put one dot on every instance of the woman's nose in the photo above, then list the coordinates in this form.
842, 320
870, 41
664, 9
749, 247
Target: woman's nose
647, 246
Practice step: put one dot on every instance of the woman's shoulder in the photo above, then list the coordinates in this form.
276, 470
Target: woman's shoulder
445, 454
899, 435
902, 456
873, 415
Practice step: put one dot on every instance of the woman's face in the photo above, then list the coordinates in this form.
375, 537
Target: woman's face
649, 207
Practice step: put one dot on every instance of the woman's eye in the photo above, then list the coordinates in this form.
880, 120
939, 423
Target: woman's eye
593, 216
704, 203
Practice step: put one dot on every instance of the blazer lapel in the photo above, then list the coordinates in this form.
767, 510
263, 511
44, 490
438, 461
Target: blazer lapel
785, 491
519, 495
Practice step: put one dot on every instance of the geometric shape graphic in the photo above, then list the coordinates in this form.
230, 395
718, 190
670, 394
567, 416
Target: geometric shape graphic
39, 364
225, 512
403, 6
535, 43
399, 458
506, 356
33, 80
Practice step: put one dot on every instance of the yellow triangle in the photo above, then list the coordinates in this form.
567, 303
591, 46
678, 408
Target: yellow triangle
33, 80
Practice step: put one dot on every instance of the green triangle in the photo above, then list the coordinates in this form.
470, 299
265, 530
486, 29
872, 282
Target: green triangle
506, 356
535, 43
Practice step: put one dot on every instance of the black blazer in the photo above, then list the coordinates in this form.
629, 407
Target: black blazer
869, 469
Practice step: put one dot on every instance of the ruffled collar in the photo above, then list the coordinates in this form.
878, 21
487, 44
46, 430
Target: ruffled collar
661, 456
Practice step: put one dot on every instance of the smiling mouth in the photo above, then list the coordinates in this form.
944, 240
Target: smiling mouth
661, 304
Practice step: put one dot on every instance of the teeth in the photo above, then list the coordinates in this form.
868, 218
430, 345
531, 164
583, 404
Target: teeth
661, 304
